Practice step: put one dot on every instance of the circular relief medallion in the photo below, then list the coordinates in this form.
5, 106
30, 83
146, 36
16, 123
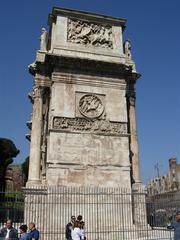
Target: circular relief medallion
91, 106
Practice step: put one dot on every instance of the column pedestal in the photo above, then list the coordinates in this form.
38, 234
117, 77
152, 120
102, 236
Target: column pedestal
139, 210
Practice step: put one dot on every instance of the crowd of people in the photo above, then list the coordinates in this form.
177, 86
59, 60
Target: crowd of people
75, 229
8, 232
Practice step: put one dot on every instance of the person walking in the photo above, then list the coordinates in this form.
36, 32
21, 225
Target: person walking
33, 232
23, 233
69, 228
8, 232
176, 226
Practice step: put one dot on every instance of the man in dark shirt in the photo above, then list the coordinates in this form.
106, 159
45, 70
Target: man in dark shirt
176, 226
8, 232
69, 227
33, 233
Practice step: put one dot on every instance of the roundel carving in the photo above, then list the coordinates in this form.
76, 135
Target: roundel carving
91, 106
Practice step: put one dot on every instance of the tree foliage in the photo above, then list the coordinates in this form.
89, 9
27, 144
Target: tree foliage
8, 151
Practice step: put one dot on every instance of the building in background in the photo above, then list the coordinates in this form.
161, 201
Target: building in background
166, 183
14, 178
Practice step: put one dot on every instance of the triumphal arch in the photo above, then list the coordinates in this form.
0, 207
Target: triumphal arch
83, 127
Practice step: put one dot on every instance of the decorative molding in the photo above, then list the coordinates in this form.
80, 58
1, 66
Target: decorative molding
90, 106
84, 125
88, 33
79, 79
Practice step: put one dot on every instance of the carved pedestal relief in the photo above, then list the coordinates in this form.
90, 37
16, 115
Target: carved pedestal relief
90, 34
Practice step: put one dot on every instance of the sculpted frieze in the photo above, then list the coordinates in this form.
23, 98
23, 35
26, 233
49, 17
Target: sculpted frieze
88, 33
98, 126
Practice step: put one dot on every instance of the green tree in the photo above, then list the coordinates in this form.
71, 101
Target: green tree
8, 151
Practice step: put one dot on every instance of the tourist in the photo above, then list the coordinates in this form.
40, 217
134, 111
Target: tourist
33, 232
176, 226
76, 231
79, 218
23, 233
8, 232
69, 228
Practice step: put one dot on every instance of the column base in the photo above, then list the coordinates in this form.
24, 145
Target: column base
31, 183
138, 186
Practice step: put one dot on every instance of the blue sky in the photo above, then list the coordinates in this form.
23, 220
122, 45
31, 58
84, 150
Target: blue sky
152, 27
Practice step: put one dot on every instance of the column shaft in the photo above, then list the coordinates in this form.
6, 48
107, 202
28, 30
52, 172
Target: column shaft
133, 140
36, 132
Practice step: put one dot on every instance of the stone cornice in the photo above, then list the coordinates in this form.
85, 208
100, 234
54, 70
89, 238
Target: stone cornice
87, 16
41, 68
48, 63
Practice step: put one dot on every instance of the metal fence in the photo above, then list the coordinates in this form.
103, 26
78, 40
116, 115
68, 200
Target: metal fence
162, 208
109, 213
11, 206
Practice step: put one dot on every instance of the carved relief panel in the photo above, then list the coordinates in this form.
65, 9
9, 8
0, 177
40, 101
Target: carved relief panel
90, 105
89, 34
86, 126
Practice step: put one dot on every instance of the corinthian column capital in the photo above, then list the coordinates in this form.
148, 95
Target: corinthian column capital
37, 92
132, 101
131, 96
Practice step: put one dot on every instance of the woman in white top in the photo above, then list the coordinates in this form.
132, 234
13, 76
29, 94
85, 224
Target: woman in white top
76, 231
